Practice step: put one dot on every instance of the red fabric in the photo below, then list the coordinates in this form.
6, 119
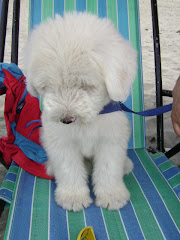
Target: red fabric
14, 91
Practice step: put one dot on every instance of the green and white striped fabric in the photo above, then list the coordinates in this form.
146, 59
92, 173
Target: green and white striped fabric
152, 213
7, 187
154, 209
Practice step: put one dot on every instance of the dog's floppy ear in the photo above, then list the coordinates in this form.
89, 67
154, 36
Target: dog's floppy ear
35, 72
119, 61
35, 69
35, 76
120, 71
38, 58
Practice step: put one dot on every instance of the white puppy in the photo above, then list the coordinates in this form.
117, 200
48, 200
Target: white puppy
78, 64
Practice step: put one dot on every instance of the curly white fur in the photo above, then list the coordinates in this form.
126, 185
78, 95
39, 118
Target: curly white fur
78, 64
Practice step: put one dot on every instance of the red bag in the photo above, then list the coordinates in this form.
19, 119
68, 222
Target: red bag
23, 121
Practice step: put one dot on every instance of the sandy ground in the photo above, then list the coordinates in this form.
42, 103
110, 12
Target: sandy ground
169, 19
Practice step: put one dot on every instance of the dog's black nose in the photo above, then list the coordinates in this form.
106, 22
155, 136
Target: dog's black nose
68, 120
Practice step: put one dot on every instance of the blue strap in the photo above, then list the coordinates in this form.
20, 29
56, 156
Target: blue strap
150, 112
31, 149
111, 107
23, 96
39, 126
33, 121
118, 106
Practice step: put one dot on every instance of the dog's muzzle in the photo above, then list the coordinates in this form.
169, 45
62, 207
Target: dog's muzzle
68, 120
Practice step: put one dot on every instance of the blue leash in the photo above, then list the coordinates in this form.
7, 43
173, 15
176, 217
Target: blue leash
150, 112
118, 106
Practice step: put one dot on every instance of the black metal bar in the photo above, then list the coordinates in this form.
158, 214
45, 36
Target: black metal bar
3, 162
15, 32
167, 93
173, 151
157, 58
2, 205
3, 24
14, 50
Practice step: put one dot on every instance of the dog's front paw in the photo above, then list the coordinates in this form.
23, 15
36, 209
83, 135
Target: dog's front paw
113, 199
71, 200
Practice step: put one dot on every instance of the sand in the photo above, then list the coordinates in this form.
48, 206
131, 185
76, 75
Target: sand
169, 28
169, 19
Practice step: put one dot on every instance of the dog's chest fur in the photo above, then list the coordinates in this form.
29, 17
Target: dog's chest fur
86, 138
87, 142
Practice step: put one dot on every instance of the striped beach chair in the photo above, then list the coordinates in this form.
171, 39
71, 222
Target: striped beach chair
153, 211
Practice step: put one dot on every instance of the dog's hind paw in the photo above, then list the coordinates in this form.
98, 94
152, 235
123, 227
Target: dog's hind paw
71, 200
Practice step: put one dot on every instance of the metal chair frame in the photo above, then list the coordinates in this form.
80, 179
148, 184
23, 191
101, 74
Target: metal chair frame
160, 92
14, 47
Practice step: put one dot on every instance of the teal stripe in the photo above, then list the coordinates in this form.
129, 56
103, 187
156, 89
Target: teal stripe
123, 27
11, 210
112, 11
39, 227
8, 185
69, 5
142, 209
47, 9
157, 155
92, 6
114, 224
41, 103
138, 126
75, 223
13, 169
166, 165
175, 181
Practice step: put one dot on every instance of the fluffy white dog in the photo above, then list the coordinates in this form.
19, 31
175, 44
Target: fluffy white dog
78, 64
